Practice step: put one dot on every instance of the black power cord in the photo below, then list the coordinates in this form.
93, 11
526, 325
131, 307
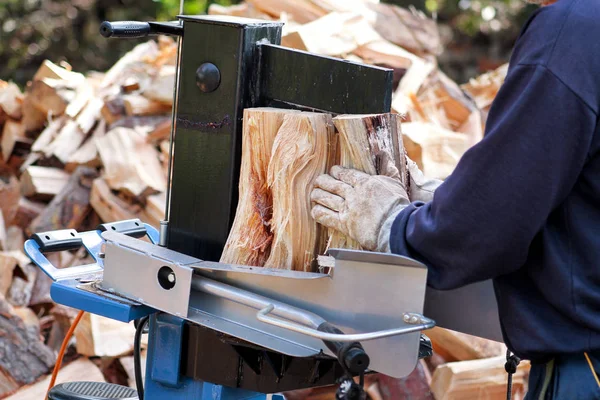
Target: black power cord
512, 362
137, 362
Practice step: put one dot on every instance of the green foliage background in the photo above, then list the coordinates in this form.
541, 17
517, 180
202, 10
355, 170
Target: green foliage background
34, 30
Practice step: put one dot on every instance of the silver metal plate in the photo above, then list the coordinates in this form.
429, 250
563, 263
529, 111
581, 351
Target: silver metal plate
471, 309
133, 273
368, 292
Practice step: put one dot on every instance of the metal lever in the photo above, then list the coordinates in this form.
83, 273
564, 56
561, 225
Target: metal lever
136, 29
418, 321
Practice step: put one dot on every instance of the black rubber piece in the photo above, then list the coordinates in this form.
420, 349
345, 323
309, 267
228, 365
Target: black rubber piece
351, 355
91, 391
425, 347
131, 227
65, 239
125, 29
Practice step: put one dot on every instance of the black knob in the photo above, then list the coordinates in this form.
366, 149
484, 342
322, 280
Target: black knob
351, 355
356, 360
208, 77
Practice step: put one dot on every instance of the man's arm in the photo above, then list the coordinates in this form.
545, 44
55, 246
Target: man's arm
484, 217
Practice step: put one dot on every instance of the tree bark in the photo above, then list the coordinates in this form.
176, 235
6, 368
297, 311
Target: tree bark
362, 139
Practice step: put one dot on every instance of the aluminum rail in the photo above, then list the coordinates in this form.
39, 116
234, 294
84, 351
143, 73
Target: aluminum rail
299, 320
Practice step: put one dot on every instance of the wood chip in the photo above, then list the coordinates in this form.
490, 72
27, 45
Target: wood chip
251, 236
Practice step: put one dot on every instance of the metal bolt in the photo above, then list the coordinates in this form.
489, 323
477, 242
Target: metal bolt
208, 77
406, 318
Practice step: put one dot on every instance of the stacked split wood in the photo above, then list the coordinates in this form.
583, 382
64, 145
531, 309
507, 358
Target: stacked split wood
77, 150
448, 118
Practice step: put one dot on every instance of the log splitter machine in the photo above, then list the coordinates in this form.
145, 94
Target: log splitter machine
229, 332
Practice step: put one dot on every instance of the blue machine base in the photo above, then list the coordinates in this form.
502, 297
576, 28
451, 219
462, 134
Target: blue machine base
163, 378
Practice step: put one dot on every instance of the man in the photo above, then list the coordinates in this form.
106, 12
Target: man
522, 206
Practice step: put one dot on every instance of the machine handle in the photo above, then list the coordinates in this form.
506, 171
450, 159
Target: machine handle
351, 355
65, 239
70, 239
137, 29
125, 29
418, 323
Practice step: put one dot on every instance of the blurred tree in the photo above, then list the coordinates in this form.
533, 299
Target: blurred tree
68, 30
478, 35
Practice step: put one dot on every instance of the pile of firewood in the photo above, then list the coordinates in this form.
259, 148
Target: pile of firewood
77, 150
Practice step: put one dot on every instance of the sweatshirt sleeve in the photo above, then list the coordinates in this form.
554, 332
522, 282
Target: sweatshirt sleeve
483, 218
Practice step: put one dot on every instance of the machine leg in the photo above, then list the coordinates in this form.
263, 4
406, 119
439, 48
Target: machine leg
163, 380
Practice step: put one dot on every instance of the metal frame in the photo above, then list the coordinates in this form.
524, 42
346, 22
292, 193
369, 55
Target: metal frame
254, 72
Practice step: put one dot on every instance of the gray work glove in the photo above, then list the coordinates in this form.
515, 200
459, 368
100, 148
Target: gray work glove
420, 187
361, 206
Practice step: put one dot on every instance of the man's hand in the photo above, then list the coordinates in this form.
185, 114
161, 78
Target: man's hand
420, 187
359, 205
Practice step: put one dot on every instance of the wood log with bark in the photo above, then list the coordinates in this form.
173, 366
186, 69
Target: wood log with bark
23, 356
284, 152
477, 379
81, 369
364, 138
68, 209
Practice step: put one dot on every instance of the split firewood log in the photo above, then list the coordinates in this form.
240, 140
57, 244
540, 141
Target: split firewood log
68, 209
98, 336
335, 34
362, 139
300, 154
301, 11
283, 153
108, 206
131, 163
12, 133
476, 379
409, 29
43, 183
249, 242
435, 150
10, 193
11, 100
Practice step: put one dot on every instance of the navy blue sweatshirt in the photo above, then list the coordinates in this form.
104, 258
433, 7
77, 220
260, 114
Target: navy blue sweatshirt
523, 206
